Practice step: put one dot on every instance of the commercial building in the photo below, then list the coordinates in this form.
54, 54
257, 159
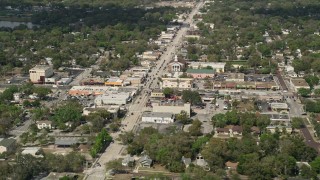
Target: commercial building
150, 55
39, 73
91, 90
181, 83
114, 81
217, 66
201, 73
52, 80
157, 117
245, 85
115, 98
157, 93
64, 81
279, 107
298, 83
171, 107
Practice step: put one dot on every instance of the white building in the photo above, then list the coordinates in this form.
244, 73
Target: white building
64, 81
175, 66
44, 124
157, 117
181, 83
16, 97
217, 66
115, 98
39, 73
34, 151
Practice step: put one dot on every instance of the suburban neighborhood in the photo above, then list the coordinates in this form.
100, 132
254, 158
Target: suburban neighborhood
203, 95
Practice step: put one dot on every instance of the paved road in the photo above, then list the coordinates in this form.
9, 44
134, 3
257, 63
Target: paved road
138, 106
309, 139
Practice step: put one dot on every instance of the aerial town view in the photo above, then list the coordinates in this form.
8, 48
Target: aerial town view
159, 89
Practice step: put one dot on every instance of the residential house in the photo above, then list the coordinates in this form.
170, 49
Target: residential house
201, 73
230, 130
7, 145
128, 161
44, 124
145, 161
231, 165
186, 161
157, 117
236, 130
255, 130
202, 163
222, 131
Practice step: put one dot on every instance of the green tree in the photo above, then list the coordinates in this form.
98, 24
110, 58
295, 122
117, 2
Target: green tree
102, 140
317, 92
183, 117
297, 123
192, 97
42, 92
68, 112
312, 80
315, 164
195, 128
115, 165
307, 173
304, 92
219, 120
167, 92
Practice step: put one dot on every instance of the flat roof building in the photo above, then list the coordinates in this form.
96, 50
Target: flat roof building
298, 83
114, 81
201, 73
172, 107
91, 90
157, 117
116, 98
217, 66
39, 73
181, 83
279, 107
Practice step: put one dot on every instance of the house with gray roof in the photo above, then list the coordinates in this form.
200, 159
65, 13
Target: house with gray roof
7, 145
145, 161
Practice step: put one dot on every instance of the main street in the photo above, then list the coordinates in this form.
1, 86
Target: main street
138, 105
